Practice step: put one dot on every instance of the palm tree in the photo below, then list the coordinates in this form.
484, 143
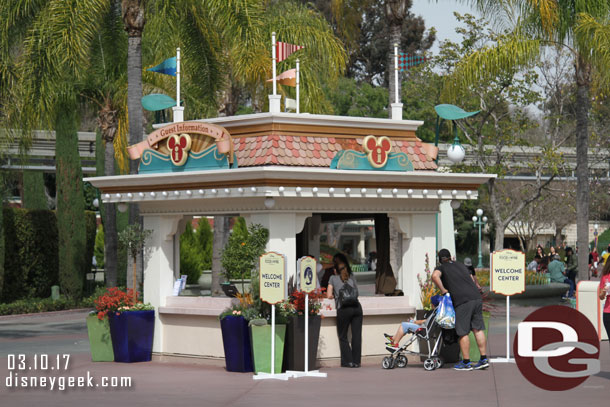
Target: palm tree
47, 74
581, 28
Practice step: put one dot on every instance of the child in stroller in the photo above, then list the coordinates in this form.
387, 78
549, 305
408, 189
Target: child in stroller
426, 329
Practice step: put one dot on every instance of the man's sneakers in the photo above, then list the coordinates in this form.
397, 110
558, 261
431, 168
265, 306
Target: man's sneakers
481, 364
463, 366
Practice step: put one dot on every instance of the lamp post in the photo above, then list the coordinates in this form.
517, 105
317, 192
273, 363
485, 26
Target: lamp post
479, 220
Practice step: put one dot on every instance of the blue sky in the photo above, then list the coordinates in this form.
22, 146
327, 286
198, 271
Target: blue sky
439, 14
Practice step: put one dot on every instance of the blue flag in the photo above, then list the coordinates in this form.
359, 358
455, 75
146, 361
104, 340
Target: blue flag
167, 67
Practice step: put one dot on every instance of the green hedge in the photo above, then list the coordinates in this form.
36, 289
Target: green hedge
31, 264
34, 305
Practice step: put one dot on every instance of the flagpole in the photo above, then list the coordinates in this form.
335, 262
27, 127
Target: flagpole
396, 74
298, 105
178, 77
178, 110
274, 58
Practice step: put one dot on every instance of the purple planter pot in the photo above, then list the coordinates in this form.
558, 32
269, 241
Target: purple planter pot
236, 342
132, 335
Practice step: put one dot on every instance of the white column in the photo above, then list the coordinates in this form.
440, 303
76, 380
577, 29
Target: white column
283, 229
446, 228
418, 239
361, 241
158, 267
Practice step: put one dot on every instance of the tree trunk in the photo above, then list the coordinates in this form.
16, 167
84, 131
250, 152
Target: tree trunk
110, 228
221, 235
134, 21
583, 80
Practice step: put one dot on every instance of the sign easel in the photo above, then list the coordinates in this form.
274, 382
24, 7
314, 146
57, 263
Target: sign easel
507, 277
272, 280
307, 267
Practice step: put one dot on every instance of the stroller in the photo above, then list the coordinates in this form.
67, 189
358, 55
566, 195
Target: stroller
431, 333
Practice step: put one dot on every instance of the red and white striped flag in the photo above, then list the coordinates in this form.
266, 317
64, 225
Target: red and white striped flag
284, 50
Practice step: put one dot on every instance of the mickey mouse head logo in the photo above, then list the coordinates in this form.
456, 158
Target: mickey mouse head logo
179, 146
377, 149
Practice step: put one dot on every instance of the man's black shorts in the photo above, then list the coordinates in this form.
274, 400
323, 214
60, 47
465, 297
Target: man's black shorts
468, 316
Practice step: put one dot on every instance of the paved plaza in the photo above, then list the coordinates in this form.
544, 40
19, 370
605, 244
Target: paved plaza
172, 383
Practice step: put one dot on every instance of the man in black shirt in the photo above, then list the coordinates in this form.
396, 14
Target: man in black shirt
454, 278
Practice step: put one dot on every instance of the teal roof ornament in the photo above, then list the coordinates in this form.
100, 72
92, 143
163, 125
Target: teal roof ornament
157, 101
456, 152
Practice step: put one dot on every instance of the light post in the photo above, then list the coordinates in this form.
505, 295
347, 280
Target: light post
596, 227
455, 153
479, 220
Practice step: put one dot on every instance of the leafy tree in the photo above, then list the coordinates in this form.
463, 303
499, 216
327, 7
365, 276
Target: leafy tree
502, 127
582, 28
98, 249
350, 98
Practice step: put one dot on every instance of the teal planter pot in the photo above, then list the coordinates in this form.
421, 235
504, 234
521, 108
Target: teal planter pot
100, 342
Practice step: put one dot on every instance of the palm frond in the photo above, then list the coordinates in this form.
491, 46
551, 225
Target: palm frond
510, 53
594, 33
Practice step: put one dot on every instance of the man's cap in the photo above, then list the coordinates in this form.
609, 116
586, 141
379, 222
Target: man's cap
435, 299
467, 262
557, 257
444, 253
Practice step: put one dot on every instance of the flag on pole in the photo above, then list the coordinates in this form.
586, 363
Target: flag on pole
407, 61
167, 67
288, 78
284, 50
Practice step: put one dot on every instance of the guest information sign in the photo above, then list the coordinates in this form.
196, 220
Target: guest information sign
272, 277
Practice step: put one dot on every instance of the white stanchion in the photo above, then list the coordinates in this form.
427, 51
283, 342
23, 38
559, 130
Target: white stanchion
272, 375
507, 359
307, 372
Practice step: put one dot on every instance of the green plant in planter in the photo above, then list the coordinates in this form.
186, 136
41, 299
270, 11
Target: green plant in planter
427, 286
132, 238
241, 254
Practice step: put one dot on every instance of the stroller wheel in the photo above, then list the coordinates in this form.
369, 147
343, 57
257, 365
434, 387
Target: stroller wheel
438, 362
429, 364
401, 361
388, 362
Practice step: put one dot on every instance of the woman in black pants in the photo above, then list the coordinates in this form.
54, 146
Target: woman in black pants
346, 315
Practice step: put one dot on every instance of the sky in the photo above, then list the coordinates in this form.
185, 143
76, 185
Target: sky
439, 14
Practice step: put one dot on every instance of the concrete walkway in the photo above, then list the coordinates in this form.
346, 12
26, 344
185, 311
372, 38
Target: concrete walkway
163, 384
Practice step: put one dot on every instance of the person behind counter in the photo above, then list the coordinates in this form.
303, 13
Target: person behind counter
346, 315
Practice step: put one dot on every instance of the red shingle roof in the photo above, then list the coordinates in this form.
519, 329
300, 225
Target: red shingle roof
318, 151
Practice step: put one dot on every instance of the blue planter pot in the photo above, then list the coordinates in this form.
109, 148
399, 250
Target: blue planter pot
132, 335
236, 342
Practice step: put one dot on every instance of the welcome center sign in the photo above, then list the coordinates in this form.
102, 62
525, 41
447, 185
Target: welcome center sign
508, 272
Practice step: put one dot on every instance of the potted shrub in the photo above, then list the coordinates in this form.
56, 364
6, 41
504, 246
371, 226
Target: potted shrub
236, 334
294, 345
131, 324
240, 256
